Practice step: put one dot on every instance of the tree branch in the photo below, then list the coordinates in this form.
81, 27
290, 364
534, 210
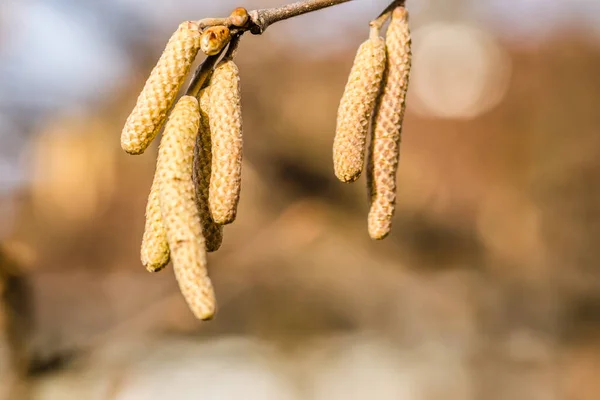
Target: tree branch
261, 19
201, 75
385, 14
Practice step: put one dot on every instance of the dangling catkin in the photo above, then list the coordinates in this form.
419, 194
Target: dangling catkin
178, 207
356, 108
387, 127
161, 88
226, 134
155, 248
213, 233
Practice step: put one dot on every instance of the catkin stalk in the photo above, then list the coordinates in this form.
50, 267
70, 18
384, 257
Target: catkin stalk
387, 127
356, 108
161, 88
226, 135
213, 233
178, 207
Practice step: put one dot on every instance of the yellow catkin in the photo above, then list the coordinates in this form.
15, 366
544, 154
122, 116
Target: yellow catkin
213, 233
356, 108
226, 134
384, 150
161, 88
178, 207
155, 248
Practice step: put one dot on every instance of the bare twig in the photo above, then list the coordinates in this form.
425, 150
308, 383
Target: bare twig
233, 46
261, 19
206, 22
385, 14
202, 73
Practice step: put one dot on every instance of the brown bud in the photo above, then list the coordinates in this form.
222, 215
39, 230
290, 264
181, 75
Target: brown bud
239, 17
356, 108
226, 131
161, 88
213, 233
178, 207
155, 249
387, 127
214, 39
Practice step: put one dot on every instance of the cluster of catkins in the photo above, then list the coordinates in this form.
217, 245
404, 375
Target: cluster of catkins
197, 182
375, 98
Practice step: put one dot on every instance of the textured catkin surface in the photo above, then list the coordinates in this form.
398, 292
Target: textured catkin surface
384, 150
161, 88
179, 211
226, 133
155, 248
213, 233
356, 109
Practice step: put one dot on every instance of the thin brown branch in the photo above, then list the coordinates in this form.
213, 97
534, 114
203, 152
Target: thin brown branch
233, 46
206, 22
261, 19
200, 76
385, 14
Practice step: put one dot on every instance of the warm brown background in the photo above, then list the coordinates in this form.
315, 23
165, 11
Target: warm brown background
488, 287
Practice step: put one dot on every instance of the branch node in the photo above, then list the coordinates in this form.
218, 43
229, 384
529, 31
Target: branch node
257, 23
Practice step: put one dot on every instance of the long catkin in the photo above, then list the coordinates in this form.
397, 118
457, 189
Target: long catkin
384, 150
356, 108
155, 253
226, 135
178, 207
213, 233
161, 88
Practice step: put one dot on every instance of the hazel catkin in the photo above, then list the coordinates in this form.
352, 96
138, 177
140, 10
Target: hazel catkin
356, 108
226, 137
178, 207
384, 150
213, 233
155, 248
161, 88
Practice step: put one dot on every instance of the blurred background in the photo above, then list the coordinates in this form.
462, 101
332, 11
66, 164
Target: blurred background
487, 288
